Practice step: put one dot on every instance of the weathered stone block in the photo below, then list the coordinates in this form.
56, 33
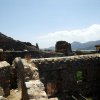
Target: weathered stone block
5, 77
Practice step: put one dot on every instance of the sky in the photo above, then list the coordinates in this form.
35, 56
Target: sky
47, 21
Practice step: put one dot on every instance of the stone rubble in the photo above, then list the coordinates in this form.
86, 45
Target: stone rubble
35, 87
3, 98
1, 91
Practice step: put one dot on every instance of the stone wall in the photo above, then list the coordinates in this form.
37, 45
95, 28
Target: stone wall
5, 77
20, 78
9, 56
35, 88
69, 75
28, 80
61, 77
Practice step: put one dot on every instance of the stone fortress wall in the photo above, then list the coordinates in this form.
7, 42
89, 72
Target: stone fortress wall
69, 75
58, 77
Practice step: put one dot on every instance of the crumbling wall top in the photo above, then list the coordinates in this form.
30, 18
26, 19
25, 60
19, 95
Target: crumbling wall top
73, 58
4, 64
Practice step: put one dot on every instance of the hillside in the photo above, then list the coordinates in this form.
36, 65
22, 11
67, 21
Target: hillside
8, 43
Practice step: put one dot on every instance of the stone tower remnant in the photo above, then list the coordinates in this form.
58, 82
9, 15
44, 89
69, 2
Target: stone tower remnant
63, 47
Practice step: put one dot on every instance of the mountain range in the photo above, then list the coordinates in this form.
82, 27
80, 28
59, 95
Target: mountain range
90, 45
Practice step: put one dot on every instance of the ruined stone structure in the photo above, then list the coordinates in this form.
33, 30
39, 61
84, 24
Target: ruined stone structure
62, 78
27, 73
70, 75
63, 47
28, 82
5, 78
57, 78
9, 56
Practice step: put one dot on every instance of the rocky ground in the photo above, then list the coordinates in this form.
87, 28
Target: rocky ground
14, 95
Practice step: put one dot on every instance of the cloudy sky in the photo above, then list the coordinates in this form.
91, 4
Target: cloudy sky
47, 21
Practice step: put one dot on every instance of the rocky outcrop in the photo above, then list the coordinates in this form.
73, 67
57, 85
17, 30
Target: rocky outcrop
8, 43
63, 47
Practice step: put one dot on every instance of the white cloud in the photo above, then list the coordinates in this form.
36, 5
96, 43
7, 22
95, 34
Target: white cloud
91, 33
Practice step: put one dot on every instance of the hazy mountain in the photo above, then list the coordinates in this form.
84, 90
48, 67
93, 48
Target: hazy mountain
52, 48
90, 45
